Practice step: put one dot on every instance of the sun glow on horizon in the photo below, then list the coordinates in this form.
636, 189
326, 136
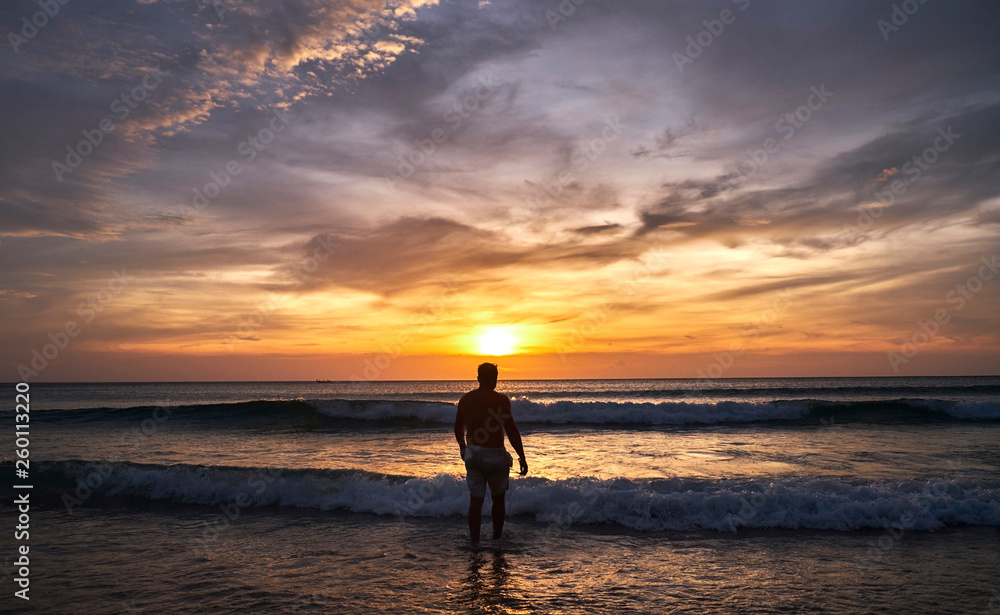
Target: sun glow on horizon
497, 341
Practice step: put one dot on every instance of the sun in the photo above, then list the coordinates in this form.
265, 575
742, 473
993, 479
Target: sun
497, 341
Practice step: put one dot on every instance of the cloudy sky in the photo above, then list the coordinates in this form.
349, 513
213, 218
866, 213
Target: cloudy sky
233, 189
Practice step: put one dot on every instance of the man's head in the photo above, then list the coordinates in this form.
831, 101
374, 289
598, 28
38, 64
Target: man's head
488, 376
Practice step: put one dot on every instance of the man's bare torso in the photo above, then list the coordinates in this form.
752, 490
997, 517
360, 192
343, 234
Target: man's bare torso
485, 413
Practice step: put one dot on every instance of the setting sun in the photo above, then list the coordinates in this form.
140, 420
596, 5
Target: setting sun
497, 341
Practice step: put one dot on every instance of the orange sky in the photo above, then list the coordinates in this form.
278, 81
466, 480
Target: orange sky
364, 193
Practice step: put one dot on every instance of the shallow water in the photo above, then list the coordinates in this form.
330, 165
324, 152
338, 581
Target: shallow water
125, 558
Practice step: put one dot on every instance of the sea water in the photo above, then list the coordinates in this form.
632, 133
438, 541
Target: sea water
644, 496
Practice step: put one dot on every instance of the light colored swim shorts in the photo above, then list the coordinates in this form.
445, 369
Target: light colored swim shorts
487, 466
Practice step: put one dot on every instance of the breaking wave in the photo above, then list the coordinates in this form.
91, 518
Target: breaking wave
644, 505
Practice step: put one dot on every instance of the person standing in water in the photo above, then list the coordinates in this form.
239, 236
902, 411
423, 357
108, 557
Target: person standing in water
485, 415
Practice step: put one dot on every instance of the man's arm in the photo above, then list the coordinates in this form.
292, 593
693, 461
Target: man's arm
514, 435
460, 431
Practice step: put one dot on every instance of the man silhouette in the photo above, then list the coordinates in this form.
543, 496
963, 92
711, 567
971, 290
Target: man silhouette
486, 415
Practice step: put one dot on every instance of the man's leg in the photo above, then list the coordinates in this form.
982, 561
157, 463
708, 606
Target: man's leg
475, 516
499, 513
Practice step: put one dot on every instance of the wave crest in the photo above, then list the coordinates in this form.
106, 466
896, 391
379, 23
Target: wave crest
645, 505
690, 412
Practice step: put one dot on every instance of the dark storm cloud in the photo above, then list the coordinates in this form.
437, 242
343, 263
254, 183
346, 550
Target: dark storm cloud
91, 60
944, 166
756, 69
774, 51
598, 229
410, 253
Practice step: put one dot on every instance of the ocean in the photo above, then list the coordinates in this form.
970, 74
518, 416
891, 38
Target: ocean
811, 495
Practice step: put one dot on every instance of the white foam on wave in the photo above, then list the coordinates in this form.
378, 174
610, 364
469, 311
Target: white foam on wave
568, 412
655, 504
